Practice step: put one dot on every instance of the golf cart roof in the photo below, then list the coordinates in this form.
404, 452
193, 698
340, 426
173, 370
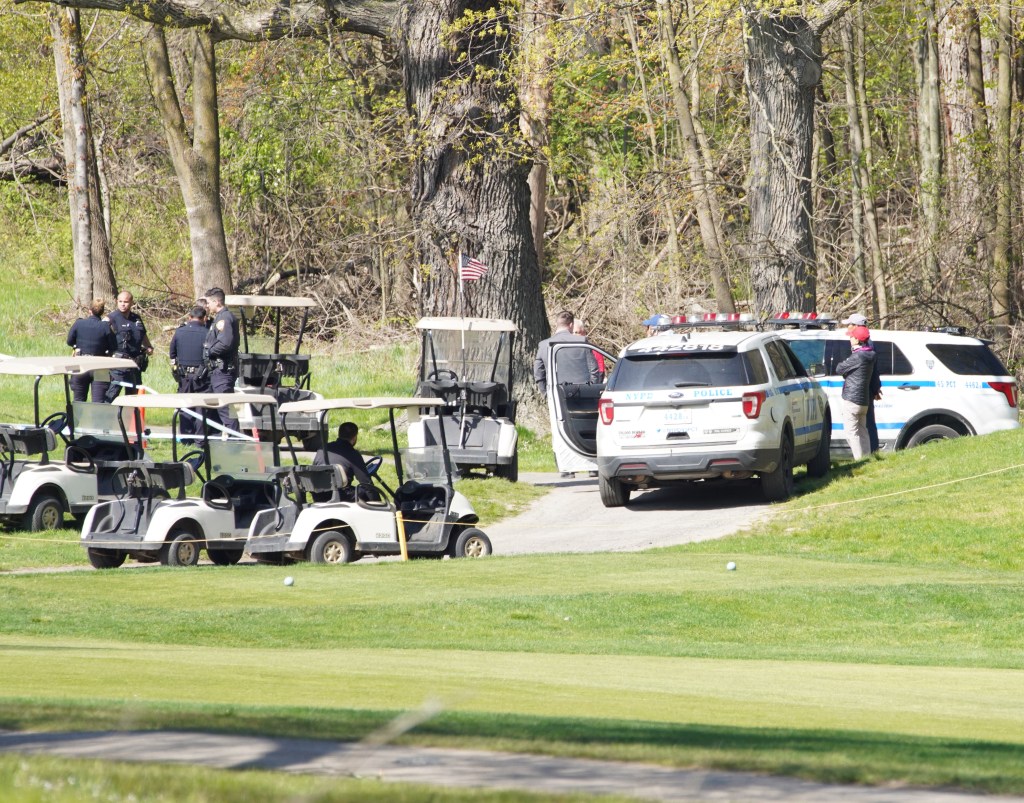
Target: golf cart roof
268, 301
57, 366
378, 402
468, 324
174, 401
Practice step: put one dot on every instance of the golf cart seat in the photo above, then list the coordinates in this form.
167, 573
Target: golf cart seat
487, 398
246, 497
139, 479
268, 370
445, 389
329, 483
104, 453
413, 496
29, 441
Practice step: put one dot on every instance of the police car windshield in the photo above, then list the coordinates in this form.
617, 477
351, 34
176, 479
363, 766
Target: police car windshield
681, 370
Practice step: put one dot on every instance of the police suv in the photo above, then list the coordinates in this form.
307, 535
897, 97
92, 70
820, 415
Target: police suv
692, 404
935, 385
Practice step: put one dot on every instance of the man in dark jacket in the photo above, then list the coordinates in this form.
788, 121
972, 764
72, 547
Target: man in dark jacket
91, 337
857, 371
575, 366
343, 452
222, 351
188, 362
856, 319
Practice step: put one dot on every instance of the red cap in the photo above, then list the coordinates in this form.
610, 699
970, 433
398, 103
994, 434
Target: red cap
862, 333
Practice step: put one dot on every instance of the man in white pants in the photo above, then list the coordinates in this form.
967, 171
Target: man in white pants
857, 370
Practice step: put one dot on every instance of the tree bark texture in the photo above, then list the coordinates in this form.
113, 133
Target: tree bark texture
196, 156
93, 270
783, 68
929, 144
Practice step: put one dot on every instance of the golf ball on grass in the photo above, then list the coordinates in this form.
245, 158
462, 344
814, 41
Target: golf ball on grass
289, 581
730, 566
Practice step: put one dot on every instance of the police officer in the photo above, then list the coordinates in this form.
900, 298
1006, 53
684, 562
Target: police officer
221, 349
91, 337
188, 362
132, 342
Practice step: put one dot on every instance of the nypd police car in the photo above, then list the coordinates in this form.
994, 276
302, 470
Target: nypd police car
935, 385
693, 404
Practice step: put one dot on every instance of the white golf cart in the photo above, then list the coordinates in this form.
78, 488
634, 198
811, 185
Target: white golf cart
467, 363
284, 376
35, 493
151, 519
324, 519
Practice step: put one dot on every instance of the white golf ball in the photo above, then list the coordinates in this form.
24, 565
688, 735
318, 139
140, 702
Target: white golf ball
289, 580
731, 566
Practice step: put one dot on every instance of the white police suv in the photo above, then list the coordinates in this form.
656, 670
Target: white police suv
935, 385
692, 404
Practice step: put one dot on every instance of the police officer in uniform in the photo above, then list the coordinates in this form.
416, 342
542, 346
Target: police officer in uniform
132, 342
222, 351
188, 362
91, 337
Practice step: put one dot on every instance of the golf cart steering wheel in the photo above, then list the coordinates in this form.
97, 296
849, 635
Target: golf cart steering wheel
198, 456
443, 373
57, 421
373, 464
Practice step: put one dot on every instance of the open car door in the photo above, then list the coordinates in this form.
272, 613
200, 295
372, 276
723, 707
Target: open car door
573, 408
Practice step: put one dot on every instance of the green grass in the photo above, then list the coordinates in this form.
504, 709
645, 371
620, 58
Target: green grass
859, 640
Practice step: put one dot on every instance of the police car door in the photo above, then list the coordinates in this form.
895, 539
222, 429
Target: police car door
573, 408
795, 388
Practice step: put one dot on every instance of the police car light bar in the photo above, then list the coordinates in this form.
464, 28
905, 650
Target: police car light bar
714, 319
803, 320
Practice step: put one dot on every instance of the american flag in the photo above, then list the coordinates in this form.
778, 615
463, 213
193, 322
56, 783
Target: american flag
471, 269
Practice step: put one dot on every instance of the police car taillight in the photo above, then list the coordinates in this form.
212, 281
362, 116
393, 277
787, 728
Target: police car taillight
752, 403
1008, 389
606, 410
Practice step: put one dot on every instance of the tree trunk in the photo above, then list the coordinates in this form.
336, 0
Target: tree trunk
707, 215
196, 158
538, 62
94, 276
470, 193
783, 68
1002, 251
929, 145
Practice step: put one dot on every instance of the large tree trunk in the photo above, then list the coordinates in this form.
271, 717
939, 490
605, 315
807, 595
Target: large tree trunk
1002, 250
196, 158
94, 276
783, 68
929, 145
470, 191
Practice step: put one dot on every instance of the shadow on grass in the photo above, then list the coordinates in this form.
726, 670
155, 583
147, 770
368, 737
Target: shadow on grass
830, 756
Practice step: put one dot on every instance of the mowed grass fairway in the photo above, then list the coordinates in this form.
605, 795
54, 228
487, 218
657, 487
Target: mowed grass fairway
872, 632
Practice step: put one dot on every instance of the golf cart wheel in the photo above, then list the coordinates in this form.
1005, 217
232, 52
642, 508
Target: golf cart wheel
182, 549
106, 558
224, 557
472, 543
331, 547
511, 471
45, 513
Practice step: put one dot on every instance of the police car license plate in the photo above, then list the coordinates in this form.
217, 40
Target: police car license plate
679, 417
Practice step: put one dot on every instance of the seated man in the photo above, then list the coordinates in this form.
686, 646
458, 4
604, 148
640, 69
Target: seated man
342, 451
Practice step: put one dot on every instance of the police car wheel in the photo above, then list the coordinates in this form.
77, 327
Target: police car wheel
933, 432
614, 492
777, 485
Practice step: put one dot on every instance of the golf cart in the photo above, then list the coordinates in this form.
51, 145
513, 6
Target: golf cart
36, 492
152, 519
324, 519
467, 363
283, 376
